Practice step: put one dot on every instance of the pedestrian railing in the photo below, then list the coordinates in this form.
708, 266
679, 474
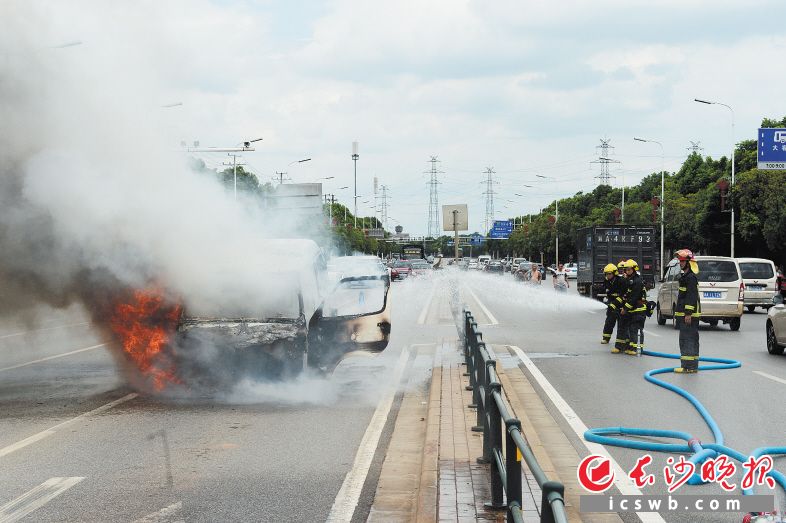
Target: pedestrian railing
493, 412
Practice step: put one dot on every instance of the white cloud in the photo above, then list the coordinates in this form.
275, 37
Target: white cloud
520, 86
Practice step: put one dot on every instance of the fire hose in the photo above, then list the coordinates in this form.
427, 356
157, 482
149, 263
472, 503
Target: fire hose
700, 451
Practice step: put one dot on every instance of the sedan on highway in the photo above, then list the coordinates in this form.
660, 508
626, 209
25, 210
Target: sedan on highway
400, 269
494, 267
776, 326
420, 268
571, 270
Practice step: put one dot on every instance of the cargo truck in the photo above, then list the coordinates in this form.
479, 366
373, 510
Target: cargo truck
600, 245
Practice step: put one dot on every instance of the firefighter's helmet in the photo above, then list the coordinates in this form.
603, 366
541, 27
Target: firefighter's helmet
631, 264
685, 255
610, 269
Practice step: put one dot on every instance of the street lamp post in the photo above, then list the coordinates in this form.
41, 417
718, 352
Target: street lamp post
733, 147
662, 193
355, 157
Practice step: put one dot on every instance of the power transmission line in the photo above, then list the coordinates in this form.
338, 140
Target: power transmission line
433, 201
604, 178
384, 208
694, 147
489, 172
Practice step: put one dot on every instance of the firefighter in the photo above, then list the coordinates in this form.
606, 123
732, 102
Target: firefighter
635, 308
612, 285
623, 320
688, 312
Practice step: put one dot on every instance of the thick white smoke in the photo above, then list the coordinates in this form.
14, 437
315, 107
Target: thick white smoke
93, 183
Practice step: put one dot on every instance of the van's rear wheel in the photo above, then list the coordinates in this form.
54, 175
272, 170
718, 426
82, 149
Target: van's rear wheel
751, 308
734, 324
713, 323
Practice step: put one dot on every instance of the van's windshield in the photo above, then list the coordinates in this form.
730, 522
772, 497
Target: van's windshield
756, 270
717, 270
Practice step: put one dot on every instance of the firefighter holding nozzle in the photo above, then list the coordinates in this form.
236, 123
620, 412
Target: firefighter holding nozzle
688, 312
614, 286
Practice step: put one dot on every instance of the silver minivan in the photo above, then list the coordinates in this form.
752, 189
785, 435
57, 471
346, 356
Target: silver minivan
721, 291
760, 278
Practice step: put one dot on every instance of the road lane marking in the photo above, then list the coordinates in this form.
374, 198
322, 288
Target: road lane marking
44, 329
486, 311
770, 376
347, 498
627, 488
648, 333
56, 356
165, 515
36, 498
426, 307
51, 430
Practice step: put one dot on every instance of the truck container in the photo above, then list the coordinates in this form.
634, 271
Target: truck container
603, 244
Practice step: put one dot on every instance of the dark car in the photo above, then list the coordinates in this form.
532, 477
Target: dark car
400, 269
495, 267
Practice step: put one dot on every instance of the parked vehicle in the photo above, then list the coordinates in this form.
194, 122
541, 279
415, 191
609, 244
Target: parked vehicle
600, 245
571, 270
473, 264
483, 259
721, 291
302, 320
760, 278
776, 326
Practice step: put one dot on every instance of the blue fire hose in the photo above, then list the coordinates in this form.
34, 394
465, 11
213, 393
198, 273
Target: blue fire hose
701, 451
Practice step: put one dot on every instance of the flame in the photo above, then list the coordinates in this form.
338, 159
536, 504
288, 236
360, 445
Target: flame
144, 326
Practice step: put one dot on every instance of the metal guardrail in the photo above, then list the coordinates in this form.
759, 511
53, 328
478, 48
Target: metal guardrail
493, 412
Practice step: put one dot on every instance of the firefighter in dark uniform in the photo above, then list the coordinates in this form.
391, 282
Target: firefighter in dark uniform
635, 308
688, 312
612, 286
623, 320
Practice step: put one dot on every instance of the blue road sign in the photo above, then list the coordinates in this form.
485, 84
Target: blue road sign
501, 229
476, 239
772, 149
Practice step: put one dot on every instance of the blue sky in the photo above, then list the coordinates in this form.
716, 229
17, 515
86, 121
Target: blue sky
526, 87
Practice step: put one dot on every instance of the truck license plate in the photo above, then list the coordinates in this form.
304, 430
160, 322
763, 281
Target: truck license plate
712, 294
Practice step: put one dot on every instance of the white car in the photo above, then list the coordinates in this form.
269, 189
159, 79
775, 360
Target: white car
776, 326
760, 278
572, 270
473, 264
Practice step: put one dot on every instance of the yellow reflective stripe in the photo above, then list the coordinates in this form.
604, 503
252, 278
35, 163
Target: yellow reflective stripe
689, 358
611, 305
691, 307
640, 309
628, 306
607, 335
679, 314
683, 289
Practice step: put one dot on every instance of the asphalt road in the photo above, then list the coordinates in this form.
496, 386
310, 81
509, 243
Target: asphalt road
262, 453
272, 453
561, 334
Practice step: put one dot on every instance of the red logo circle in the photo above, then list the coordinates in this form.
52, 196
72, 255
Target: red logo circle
593, 472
